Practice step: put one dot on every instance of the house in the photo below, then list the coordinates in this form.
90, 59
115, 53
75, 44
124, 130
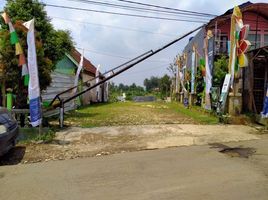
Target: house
256, 16
88, 74
63, 78
255, 80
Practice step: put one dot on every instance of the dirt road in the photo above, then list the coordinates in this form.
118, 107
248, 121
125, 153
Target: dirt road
77, 142
188, 173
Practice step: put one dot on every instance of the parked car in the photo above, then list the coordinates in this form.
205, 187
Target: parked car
9, 131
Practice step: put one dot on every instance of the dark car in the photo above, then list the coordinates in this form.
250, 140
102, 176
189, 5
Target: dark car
9, 131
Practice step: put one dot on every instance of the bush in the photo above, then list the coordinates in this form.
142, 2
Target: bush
219, 71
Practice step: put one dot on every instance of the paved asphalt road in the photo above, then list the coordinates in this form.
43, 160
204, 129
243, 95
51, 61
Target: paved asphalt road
196, 172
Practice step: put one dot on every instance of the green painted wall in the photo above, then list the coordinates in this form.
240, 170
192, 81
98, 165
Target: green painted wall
65, 66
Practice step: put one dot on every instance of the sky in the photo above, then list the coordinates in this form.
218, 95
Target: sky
110, 40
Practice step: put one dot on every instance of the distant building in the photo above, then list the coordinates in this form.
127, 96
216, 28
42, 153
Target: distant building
254, 78
63, 78
253, 14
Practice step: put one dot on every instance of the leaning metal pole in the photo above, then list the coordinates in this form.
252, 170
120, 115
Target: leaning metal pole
122, 70
111, 70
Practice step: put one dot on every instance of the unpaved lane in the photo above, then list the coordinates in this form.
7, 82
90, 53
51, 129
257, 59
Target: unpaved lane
86, 142
157, 136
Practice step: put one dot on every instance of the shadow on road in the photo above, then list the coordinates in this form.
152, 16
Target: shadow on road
13, 157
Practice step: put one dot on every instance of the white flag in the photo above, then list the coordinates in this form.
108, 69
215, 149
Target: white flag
80, 66
97, 80
33, 88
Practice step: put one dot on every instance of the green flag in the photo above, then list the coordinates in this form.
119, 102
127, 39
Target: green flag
26, 80
14, 38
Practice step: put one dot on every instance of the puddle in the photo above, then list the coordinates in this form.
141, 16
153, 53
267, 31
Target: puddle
241, 152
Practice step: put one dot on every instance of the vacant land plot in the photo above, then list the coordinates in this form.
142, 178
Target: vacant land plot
130, 113
137, 126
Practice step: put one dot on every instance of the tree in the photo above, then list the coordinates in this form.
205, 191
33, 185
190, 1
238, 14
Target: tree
51, 44
172, 68
130, 91
200, 85
219, 71
151, 84
165, 83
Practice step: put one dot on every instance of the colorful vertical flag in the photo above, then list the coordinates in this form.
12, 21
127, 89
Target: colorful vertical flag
80, 66
202, 64
13, 35
238, 44
33, 88
14, 40
243, 46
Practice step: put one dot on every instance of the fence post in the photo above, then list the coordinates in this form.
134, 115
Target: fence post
61, 114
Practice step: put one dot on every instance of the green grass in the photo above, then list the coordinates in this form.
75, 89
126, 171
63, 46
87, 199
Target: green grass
28, 135
198, 114
131, 113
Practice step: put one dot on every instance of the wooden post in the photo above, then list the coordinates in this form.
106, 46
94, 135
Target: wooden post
41, 124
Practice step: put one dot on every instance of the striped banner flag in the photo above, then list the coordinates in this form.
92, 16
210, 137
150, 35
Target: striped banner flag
14, 40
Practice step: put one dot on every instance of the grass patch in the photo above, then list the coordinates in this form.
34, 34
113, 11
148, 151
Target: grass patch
132, 113
202, 116
28, 135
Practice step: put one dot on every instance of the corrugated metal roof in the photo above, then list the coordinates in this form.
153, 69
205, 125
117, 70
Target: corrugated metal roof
88, 66
241, 6
259, 8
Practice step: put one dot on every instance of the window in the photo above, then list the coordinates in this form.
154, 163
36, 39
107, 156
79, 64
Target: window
255, 40
224, 44
266, 39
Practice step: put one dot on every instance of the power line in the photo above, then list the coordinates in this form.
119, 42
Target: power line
147, 69
167, 8
115, 27
113, 55
103, 53
141, 9
122, 14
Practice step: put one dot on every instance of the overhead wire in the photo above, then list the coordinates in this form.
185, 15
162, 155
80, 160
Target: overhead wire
147, 69
115, 27
113, 55
141, 9
167, 8
121, 14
